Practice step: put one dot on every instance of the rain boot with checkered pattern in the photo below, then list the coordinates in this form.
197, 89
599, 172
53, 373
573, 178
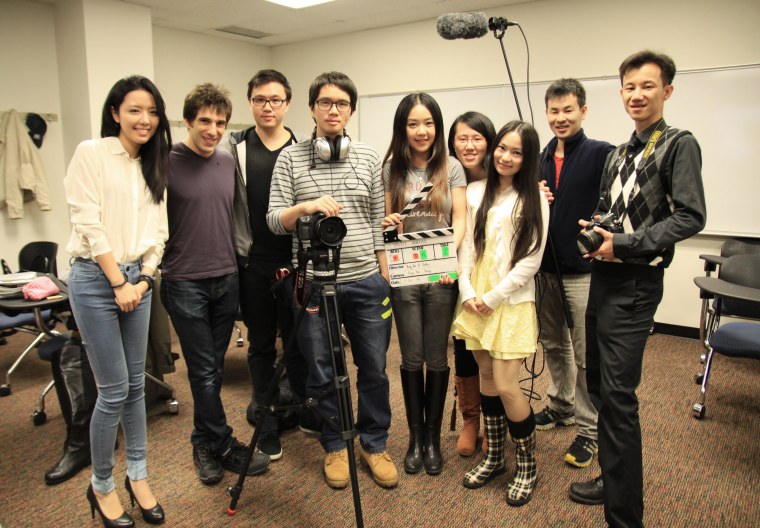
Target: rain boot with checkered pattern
520, 490
492, 464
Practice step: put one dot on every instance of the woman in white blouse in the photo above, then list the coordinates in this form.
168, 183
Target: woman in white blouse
115, 188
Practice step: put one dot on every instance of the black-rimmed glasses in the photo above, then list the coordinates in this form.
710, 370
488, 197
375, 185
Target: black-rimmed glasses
325, 105
261, 101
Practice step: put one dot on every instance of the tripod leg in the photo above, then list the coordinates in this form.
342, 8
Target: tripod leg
269, 410
342, 387
235, 491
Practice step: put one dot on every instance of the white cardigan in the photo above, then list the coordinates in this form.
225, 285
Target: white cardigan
512, 285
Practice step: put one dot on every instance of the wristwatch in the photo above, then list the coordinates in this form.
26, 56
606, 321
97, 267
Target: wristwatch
147, 279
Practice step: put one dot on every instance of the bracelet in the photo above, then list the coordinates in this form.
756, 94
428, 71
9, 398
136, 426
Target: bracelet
117, 286
147, 279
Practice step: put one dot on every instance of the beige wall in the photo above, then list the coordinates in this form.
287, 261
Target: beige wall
582, 38
29, 72
184, 59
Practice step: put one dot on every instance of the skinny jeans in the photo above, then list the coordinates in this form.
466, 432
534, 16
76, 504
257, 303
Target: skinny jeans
116, 344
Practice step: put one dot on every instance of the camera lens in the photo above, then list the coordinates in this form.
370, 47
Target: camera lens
331, 230
588, 241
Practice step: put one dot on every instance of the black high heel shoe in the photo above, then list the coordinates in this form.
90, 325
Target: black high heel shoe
123, 521
154, 515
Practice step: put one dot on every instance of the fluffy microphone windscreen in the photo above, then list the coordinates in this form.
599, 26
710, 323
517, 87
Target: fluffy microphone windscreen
462, 25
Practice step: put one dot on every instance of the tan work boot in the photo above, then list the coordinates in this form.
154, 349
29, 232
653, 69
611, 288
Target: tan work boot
382, 467
468, 394
336, 469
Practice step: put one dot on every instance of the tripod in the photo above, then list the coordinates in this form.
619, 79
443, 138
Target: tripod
341, 386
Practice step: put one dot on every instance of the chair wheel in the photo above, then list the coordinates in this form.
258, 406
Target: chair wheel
5, 390
698, 411
39, 417
698, 378
173, 407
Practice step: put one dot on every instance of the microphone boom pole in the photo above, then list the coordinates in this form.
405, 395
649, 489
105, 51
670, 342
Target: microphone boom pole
499, 28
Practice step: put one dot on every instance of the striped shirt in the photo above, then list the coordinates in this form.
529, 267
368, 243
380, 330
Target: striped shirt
354, 182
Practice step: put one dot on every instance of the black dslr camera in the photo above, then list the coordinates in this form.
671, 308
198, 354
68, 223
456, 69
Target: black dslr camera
319, 240
320, 230
589, 240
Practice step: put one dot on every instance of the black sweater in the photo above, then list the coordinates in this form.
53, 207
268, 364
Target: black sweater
575, 199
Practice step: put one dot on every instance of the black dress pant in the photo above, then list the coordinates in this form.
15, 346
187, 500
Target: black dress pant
622, 302
264, 311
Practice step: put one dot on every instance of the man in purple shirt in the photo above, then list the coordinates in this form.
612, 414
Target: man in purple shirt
200, 281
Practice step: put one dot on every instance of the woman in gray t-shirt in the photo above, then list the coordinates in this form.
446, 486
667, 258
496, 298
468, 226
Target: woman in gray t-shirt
423, 313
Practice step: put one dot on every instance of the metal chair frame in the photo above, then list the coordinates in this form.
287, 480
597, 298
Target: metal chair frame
715, 293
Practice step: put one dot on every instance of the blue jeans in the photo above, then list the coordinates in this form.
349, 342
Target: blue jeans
116, 343
365, 310
423, 314
203, 313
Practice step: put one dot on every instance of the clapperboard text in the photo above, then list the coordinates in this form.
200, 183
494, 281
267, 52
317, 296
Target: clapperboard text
422, 256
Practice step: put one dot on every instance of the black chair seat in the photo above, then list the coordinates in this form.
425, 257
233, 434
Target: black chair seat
737, 340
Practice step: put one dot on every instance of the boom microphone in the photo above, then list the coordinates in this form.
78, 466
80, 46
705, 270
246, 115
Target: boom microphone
469, 25
499, 24
453, 26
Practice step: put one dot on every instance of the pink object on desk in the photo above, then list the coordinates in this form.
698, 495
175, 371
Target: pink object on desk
39, 289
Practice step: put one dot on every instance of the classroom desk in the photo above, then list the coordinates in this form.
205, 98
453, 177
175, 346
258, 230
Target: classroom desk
20, 306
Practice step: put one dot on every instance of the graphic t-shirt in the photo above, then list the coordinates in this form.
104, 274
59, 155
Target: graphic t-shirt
422, 218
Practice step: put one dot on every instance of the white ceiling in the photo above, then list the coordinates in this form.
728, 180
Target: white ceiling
285, 25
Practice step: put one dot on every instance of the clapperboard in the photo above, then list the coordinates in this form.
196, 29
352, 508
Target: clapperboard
420, 257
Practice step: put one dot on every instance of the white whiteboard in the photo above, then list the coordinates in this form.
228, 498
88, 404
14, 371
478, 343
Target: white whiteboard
721, 107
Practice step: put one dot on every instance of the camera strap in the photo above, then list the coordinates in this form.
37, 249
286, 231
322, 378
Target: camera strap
390, 233
299, 287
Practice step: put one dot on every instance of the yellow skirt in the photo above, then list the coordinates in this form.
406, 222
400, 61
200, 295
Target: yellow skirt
509, 332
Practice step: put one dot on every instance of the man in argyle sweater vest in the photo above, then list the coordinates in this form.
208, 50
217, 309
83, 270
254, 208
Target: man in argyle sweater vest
653, 185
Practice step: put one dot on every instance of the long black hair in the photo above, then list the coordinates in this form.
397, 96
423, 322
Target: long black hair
154, 154
400, 153
480, 124
527, 212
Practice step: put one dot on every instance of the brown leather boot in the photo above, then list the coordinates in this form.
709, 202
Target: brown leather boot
468, 394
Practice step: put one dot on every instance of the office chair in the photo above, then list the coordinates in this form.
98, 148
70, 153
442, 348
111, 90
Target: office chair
39, 257
707, 315
46, 350
21, 322
736, 293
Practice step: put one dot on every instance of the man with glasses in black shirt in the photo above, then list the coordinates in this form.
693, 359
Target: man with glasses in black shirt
261, 254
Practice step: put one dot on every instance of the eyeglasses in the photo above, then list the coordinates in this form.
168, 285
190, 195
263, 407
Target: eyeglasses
274, 103
476, 141
326, 105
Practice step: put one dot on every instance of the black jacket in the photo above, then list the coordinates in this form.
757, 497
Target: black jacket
575, 199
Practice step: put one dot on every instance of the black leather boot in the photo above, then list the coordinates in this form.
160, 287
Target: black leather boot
436, 387
412, 384
82, 393
60, 391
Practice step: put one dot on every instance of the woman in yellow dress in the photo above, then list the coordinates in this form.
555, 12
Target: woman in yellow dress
507, 220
